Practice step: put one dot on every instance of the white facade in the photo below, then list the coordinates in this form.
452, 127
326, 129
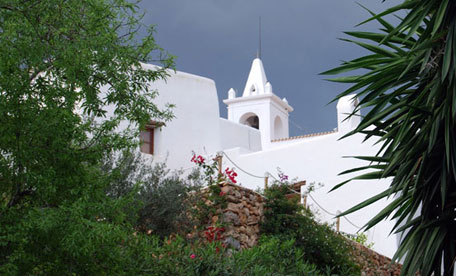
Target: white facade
196, 126
261, 145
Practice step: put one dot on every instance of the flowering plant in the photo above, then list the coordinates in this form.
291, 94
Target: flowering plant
214, 233
197, 159
209, 209
231, 174
210, 170
283, 177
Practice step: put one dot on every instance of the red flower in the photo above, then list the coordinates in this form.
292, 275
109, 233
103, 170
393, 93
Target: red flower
193, 256
197, 159
231, 174
214, 233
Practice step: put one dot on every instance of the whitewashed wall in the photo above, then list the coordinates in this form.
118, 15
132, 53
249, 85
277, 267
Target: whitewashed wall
196, 125
236, 135
320, 160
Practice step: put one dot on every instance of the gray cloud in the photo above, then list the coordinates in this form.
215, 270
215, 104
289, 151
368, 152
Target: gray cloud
218, 39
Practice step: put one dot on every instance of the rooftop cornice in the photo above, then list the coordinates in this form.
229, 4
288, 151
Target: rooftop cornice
272, 97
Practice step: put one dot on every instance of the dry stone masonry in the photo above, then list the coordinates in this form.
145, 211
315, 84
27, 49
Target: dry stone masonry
373, 263
243, 215
245, 211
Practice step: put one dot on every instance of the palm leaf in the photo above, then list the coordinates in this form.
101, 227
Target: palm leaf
409, 84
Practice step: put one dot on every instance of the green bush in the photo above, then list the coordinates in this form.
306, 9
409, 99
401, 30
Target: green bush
82, 238
95, 234
163, 198
271, 257
84, 246
360, 238
319, 243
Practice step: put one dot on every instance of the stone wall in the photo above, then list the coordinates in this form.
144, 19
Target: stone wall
373, 263
244, 213
241, 217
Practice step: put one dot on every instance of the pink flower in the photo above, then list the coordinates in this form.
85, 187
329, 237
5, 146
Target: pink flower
283, 177
193, 256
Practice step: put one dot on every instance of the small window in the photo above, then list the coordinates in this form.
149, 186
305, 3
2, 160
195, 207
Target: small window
147, 137
147, 140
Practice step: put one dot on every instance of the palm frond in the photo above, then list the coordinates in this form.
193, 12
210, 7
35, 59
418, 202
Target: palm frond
409, 82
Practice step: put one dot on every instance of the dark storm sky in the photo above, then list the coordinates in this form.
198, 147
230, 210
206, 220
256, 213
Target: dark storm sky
218, 39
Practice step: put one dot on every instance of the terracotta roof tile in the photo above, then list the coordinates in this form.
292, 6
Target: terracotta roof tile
304, 136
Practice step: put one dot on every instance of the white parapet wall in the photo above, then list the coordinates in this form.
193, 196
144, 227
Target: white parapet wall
237, 135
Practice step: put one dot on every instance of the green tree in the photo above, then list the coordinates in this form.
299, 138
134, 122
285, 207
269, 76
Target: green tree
56, 58
408, 82
63, 65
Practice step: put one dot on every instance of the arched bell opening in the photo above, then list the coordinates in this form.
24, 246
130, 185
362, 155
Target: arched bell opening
251, 120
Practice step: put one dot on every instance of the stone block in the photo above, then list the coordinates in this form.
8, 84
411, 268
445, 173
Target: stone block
232, 198
236, 194
247, 212
227, 189
233, 207
231, 217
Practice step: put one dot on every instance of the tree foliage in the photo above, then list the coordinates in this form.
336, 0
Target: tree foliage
56, 58
408, 80
70, 72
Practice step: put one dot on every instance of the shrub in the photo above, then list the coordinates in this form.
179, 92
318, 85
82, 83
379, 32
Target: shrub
178, 257
319, 243
163, 197
82, 238
272, 256
360, 238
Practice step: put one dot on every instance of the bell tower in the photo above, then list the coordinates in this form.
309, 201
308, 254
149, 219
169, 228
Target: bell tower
259, 107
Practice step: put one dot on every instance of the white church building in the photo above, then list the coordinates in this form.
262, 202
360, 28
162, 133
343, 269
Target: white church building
255, 142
